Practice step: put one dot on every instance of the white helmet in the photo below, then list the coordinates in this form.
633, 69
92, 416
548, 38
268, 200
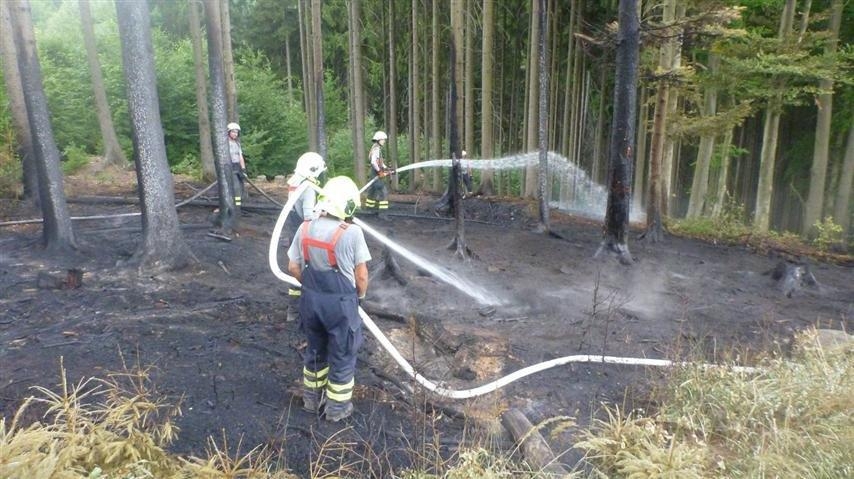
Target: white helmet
310, 165
339, 198
380, 135
233, 126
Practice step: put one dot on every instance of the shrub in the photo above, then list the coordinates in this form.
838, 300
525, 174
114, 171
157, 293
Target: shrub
828, 234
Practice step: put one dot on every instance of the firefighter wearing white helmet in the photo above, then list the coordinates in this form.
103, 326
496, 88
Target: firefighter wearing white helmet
329, 257
309, 167
377, 194
238, 163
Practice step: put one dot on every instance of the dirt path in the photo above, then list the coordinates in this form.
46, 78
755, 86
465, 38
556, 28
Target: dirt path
216, 336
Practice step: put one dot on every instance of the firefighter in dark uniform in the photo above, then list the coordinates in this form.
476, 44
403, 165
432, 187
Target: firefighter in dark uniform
329, 257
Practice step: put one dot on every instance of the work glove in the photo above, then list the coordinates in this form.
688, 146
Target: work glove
241, 175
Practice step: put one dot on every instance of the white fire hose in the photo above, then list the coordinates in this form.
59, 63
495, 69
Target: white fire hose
436, 387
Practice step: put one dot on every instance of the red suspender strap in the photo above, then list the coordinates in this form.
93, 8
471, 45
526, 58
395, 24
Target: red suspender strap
329, 246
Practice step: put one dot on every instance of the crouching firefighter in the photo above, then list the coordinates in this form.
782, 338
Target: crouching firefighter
309, 168
329, 257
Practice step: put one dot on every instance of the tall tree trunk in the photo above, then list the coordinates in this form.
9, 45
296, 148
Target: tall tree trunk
288, 71
163, 247
308, 80
721, 193
700, 182
392, 92
456, 110
113, 153
317, 62
655, 203
468, 99
58, 233
768, 156
674, 12
205, 148
18, 106
623, 134
434, 96
818, 171
530, 187
414, 106
842, 212
228, 63
358, 91
543, 123
486, 67
227, 218
567, 91
640, 168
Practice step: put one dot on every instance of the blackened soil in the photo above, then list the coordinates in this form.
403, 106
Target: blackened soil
216, 339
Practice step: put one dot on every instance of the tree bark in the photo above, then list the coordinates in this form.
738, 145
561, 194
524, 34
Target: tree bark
818, 171
308, 80
468, 98
486, 112
459, 243
205, 148
228, 63
654, 227
768, 156
227, 219
842, 213
543, 123
530, 187
640, 168
113, 153
317, 62
18, 106
434, 96
163, 247
414, 106
722, 192
700, 182
391, 124
623, 134
58, 233
672, 59
358, 99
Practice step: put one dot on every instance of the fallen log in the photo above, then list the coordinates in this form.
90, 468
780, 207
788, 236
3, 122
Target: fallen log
532, 444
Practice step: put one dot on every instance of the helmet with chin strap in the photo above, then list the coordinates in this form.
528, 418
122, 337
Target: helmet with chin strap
380, 135
233, 127
310, 165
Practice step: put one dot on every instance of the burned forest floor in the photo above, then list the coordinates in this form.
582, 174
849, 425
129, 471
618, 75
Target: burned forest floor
214, 336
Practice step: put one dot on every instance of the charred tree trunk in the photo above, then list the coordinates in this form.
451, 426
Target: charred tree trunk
205, 147
543, 127
58, 233
623, 134
434, 96
18, 106
227, 218
414, 107
163, 247
531, 175
113, 153
459, 242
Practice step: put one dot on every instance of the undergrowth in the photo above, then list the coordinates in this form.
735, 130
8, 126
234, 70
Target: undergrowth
794, 418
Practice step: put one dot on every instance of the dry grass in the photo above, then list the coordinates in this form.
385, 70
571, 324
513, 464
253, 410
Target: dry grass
795, 419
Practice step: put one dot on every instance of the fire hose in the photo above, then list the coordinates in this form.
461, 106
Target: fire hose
436, 387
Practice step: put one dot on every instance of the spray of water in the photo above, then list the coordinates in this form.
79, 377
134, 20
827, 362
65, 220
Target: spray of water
578, 192
473, 290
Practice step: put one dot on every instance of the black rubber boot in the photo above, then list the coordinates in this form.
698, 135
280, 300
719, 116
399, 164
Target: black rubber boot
313, 400
336, 411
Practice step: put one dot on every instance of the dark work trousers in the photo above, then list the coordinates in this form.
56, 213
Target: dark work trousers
329, 311
237, 177
292, 224
377, 195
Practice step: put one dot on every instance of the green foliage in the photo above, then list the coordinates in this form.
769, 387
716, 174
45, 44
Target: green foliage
74, 159
828, 234
273, 128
